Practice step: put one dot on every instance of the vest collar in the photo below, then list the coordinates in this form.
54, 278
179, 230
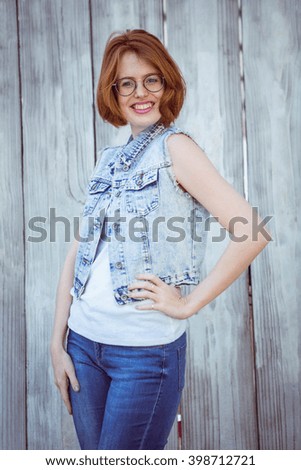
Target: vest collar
134, 146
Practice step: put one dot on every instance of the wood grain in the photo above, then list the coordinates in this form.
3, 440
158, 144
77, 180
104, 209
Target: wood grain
12, 318
58, 159
271, 38
219, 401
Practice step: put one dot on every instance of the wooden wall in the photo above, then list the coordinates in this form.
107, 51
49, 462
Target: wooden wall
241, 60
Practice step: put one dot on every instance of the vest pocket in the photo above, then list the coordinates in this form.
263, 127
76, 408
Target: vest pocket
142, 193
98, 188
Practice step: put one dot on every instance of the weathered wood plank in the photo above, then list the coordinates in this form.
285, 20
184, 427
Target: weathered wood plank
271, 37
58, 159
12, 318
219, 409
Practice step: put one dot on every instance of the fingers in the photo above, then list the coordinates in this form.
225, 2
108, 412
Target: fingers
63, 388
70, 371
165, 298
146, 285
143, 290
65, 375
150, 277
143, 294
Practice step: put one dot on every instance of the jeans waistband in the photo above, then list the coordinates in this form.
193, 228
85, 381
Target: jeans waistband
179, 342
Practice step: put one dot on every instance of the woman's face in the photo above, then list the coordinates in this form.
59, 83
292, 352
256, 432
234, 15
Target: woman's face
141, 108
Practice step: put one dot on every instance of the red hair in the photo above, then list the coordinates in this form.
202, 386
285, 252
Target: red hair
149, 48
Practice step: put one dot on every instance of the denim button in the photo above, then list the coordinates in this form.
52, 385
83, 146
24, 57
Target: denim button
118, 193
118, 265
125, 167
124, 297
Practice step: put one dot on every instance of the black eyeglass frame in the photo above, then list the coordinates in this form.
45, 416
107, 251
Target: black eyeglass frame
136, 84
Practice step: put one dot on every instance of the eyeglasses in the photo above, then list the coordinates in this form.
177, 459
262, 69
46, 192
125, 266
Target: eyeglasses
127, 86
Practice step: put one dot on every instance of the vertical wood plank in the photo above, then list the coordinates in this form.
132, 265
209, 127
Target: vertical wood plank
272, 59
58, 159
12, 318
219, 409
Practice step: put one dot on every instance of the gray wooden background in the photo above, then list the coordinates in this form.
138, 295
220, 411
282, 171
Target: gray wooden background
241, 60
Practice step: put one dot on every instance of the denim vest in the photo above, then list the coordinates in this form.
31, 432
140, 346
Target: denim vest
152, 223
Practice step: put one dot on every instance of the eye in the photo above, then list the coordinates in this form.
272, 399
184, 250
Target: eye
126, 83
153, 79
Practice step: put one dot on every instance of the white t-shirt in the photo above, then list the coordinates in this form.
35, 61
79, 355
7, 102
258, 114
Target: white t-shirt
97, 316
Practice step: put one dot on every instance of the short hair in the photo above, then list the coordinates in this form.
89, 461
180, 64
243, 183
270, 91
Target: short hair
149, 48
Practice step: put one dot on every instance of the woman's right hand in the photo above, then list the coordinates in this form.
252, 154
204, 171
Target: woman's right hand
64, 374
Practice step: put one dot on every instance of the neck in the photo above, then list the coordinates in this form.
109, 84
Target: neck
137, 130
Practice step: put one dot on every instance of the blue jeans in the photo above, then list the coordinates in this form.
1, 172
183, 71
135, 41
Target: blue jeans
128, 396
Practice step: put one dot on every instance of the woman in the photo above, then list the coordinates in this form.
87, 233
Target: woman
123, 371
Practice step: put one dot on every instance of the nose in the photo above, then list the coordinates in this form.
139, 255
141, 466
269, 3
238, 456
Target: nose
140, 90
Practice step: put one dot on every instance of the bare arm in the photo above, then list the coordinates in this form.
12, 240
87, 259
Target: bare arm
195, 173
63, 298
61, 361
200, 178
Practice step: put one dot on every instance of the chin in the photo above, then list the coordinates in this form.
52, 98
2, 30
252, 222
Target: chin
148, 120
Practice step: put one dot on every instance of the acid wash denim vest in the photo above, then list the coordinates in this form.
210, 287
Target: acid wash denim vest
153, 225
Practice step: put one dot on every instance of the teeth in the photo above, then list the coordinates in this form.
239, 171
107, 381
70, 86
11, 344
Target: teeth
142, 106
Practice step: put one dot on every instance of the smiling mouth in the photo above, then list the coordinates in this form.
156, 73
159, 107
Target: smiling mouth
143, 106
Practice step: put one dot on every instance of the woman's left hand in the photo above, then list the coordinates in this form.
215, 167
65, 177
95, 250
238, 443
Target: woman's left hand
165, 298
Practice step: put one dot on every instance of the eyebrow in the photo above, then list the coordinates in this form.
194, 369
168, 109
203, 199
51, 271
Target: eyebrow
143, 76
